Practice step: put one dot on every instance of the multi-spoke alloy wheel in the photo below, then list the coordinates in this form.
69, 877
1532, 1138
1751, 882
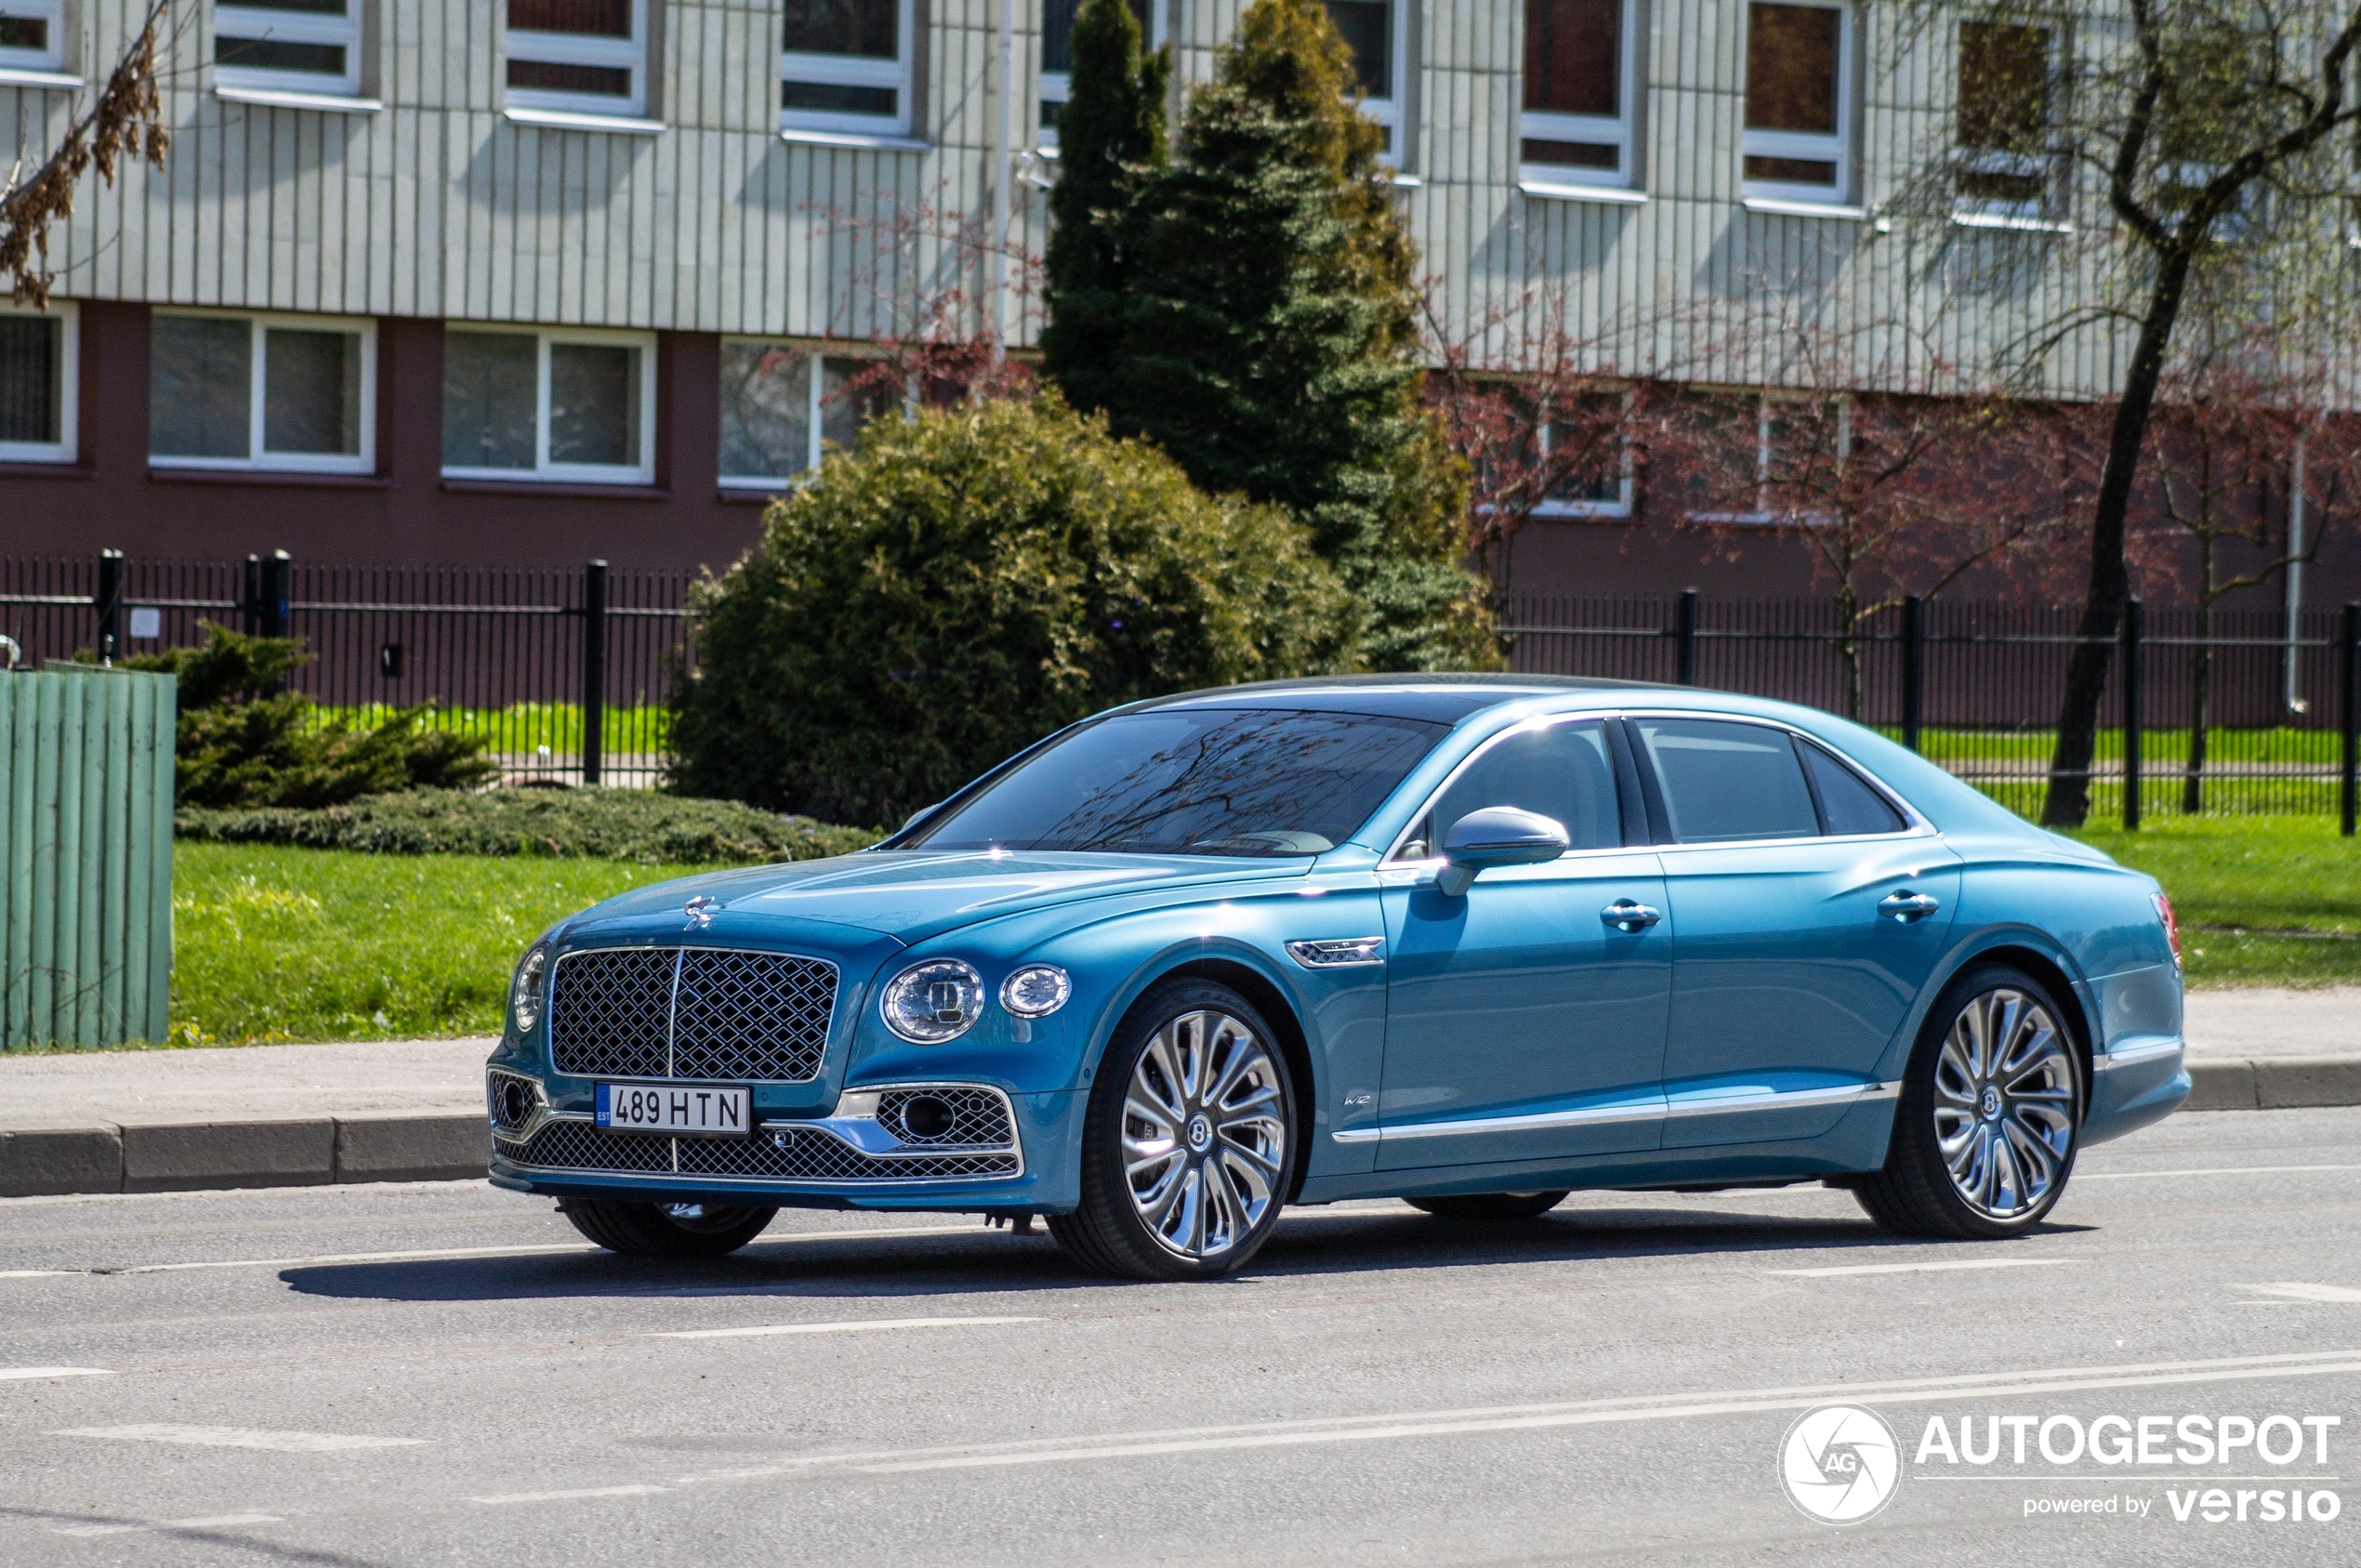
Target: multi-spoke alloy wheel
2004, 1102
1985, 1134
1186, 1146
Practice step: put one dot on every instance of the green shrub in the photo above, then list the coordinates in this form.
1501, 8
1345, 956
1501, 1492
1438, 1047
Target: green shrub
971, 580
623, 824
242, 741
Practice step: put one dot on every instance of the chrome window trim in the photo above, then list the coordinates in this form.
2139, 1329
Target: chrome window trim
1526, 726
1660, 1109
1917, 826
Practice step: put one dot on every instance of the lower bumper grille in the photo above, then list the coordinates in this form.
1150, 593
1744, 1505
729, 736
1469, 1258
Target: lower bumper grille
772, 1154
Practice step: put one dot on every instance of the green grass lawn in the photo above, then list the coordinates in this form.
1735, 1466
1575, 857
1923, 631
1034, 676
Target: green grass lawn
276, 944
2262, 900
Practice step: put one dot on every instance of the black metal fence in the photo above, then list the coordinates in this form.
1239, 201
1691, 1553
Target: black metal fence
568, 672
2252, 714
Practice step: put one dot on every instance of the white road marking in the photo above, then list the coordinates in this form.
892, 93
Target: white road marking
856, 1326
218, 1521
2209, 1171
2299, 1292
432, 1254
567, 1496
1640, 1407
16, 1374
1925, 1267
241, 1437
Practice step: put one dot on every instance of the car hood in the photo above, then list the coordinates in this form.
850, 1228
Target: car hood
910, 895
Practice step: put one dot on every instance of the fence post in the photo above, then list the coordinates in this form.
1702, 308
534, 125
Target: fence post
109, 600
2348, 678
1914, 669
277, 569
2132, 735
1685, 628
594, 670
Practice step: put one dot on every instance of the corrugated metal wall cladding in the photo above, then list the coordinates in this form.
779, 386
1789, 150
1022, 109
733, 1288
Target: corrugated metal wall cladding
439, 206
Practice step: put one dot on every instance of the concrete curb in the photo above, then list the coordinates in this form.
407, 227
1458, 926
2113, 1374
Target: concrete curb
270, 1151
400, 1146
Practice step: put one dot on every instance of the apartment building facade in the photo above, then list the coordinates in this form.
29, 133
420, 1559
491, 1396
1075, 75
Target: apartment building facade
534, 280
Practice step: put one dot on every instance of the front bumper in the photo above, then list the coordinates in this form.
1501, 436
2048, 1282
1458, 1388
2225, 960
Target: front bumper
998, 1151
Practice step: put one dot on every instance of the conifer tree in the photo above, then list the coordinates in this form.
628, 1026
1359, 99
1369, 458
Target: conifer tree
1269, 336
1111, 137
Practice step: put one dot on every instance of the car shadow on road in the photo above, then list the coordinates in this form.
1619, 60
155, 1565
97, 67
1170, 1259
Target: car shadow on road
1310, 1242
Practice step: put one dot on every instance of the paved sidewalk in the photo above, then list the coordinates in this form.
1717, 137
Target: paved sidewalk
408, 1110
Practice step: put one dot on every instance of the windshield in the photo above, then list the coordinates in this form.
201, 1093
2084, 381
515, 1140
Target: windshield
1195, 782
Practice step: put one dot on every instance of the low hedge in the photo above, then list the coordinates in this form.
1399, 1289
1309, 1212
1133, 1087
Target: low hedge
625, 825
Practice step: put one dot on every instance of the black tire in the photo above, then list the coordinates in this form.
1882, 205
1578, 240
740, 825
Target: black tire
1917, 1193
1108, 1233
638, 1230
1489, 1205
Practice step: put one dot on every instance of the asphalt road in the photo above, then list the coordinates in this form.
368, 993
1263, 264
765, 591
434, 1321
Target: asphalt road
443, 1373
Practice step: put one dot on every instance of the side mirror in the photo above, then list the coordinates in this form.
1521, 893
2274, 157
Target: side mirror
1495, 835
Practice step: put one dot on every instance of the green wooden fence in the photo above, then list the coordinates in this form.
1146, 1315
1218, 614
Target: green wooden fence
85, 857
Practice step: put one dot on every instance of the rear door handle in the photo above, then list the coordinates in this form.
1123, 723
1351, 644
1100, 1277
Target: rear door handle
1906, 907
1625, 914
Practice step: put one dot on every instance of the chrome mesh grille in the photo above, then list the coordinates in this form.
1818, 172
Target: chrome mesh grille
772, 1153
979, 1118
705, 1014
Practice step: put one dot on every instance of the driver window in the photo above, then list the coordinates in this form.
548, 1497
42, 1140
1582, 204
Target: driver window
1562, 772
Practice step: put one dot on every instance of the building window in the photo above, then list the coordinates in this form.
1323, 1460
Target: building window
578, 57
781, 405
1057, 54
548, 405
1376, 32
1601, 490
32, 34
288, 45
293, 392
844, 67
2004, 119
37, 390
1798, 123
1577, 92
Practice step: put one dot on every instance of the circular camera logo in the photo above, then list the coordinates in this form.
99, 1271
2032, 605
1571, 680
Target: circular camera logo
1840, 1464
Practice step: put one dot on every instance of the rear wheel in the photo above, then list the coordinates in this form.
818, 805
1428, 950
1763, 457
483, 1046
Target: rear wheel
1186, 1143
1990, 1117
1489, 1205
666, 1230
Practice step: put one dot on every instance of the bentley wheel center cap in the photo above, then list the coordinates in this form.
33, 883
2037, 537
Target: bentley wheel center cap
1200, 1134
1991, 1102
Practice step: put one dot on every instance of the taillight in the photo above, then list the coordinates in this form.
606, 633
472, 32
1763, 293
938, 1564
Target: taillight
2172, 926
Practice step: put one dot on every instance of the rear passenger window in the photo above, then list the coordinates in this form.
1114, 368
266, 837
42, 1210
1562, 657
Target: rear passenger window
1563, 772
1850, 805
1728, 781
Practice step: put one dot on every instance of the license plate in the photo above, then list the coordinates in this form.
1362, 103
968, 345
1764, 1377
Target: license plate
680, 1108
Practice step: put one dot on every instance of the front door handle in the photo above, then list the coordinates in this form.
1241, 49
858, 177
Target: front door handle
1625, 914
1906, 907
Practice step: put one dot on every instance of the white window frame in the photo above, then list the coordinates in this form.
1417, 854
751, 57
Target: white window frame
855, 70
579, 48
1599, 129
2024, 165
62, 450
544, 471
1763, 516
1391, 111
1619, 508
46, 61
1056, 86
815, 394
1835, 148
290, 27
260, 460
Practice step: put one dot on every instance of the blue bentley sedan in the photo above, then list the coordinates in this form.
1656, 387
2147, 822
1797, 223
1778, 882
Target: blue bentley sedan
1472, 941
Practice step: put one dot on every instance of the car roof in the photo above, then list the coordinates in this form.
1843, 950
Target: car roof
1445, 699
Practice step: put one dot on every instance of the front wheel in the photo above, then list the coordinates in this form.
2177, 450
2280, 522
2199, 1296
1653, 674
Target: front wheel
1186, 1143
666, 1230
1990, 1116
1488, 1206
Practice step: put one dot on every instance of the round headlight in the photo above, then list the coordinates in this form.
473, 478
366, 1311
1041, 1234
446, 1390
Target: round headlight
931, 1002
1036, 990
524, 993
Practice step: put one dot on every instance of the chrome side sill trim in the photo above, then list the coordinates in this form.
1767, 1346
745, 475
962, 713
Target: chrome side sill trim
1780, 1100
2146, 1051
1598, 1116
